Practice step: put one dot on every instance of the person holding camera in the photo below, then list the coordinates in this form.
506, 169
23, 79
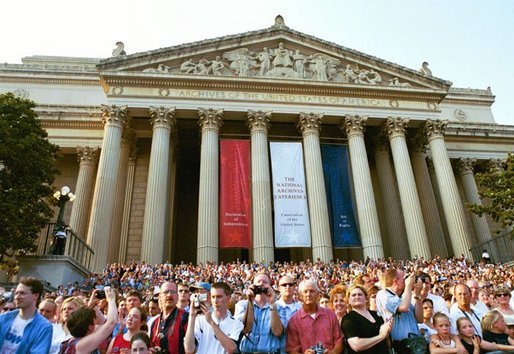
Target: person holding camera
395, 301
216, 331
167, 331
263, 320
324, 334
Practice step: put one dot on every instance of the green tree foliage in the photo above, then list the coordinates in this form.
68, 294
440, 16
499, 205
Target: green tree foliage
27, 171
497, 190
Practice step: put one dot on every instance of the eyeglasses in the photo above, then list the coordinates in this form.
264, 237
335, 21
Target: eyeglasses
503, 294
183, 291
287, 284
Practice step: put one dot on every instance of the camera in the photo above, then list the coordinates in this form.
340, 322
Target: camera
100, 294
259, 290
198, 299
318, 348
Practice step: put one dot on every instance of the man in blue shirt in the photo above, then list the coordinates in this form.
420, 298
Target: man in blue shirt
263, 320
25, 330
395, 301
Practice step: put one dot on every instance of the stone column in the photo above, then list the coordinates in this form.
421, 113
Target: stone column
369, 227
411, 207
426, 194
310, 125
80, 211
98, 236
397, 236
450, 198
121, 183
439, 202
210, 121
163, 121
259, 123
131, 171
465, 171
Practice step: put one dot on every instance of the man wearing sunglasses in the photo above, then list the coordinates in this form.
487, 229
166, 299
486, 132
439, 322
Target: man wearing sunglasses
287, 288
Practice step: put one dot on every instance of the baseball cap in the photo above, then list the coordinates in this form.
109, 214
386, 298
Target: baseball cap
509, 320
200, 285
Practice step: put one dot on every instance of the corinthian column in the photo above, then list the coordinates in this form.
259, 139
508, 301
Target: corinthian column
369, 227
411, 207
210, 121
87, 157
450, 198
397, 236
465, 172
121, 183
417, 147
259, 123
131, 171
163, 121
310, 125
98, 236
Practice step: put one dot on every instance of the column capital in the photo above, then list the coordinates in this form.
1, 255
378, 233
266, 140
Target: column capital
395, 126
114, 115
162, 117
353, 125
210, 119
465, 165
258, 120
87, 154
309, 123
435, 128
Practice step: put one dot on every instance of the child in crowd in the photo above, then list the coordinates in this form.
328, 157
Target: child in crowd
140, 343
443, 342
509, 330
473, 343
493, 328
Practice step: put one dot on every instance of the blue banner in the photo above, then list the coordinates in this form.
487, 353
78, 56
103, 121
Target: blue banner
339, 197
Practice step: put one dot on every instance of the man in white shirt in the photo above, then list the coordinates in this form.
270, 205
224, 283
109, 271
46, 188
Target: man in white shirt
287, 288
463, 308
479, 307
214, 332
48, 309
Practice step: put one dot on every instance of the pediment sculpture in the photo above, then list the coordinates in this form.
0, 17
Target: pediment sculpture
280, 62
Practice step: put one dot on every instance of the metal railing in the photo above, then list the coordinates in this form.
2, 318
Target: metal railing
75, 246
500, 248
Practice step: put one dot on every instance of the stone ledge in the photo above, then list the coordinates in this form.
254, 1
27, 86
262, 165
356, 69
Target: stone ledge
56, 270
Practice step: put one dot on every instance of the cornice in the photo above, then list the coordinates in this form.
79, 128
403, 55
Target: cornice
71, 124
50, 80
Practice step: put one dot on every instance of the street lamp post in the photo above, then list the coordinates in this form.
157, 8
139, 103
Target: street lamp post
63, 196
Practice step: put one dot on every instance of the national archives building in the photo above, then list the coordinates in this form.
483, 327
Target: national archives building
266, 145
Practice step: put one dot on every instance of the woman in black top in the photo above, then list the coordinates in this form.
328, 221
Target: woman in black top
364, 330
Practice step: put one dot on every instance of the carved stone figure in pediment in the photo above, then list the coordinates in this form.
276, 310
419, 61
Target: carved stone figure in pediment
299, 61
265, 59
241, 61
396, 82
216, 66
188, 66
282, 57
202, 68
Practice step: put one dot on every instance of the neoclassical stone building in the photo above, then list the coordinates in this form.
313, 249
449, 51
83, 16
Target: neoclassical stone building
141, 137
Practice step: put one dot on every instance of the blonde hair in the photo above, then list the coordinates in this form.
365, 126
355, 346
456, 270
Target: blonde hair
460, 320
75, 300
438, 316
489, 319
352, 288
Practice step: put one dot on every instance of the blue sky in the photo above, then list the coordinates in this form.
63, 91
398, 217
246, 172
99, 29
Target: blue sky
468, 42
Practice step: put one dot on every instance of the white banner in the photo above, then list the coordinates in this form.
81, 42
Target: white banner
292, 228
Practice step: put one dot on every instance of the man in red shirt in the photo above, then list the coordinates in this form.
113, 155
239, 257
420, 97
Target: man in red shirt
168, 330
324, 328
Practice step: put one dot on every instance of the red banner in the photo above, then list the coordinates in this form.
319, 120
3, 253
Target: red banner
235, 194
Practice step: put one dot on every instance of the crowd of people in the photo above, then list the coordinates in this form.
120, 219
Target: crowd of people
377, 306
